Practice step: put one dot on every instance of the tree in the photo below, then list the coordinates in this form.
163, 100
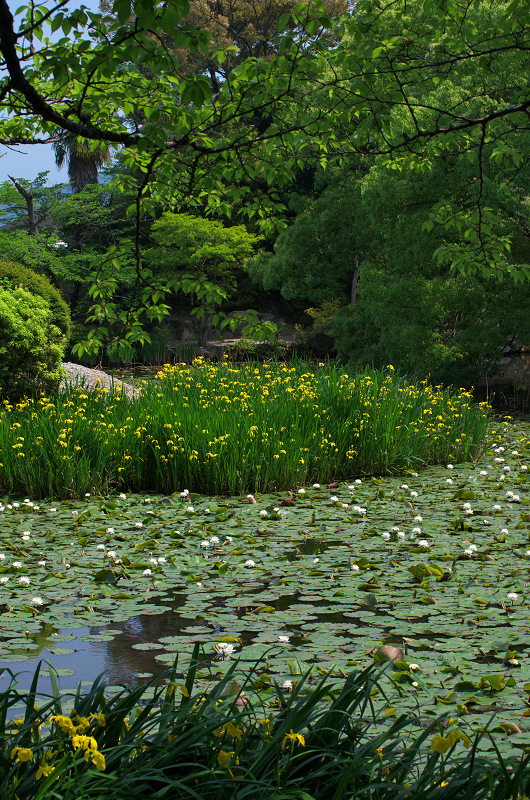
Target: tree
211, 252
405, 83
83, 161
27, 205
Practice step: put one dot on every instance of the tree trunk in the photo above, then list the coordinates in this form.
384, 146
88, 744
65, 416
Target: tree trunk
28, 197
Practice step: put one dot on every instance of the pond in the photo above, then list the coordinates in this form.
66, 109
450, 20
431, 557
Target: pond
436, 564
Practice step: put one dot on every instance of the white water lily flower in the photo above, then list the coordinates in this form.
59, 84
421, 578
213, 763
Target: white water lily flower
26, 537
414, 666
506, 469
184, 493
524, 467
263, 513
110, 530
505, 530
250, 563
2, 556
190, 509
404, 486
416, 530
449, 480
473, 547
287, 685
316, 486
483, 472
41, 563
400, 535
162, 560
345, 505
24, 580
147, 572
414, 475
359, 510
334, 499
224, 650
355, 568
423, 543
497, 507
214, 540
205, 543
469, 551
147, 499
499, 450
316, 560
415, 684
514, 662
52, 509
37, 601
301, 491
450, 466
139, 525
3, 579
516, 499
153, 561
418, 518
283, 639
512, 596
111, 554
386, 536
414, 494
101, 547
17, 564
75, 513
123, 496
499, 460
228, 540
515, 453
528, 552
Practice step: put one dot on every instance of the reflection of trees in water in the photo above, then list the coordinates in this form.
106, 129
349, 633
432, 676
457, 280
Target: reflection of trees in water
121, 660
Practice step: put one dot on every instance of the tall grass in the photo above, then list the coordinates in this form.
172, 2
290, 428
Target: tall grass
222, 429
169, 740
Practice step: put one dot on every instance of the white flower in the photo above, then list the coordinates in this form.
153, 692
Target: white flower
419, 518
473, 547
228, 540
52, 509
75, 513
139, 525
123, 496
414, 666
206, 510
111, 554
512, 596
386, 536
344, 505
414, 475
400, 535
449, 480
497, 507
513, 662
499, 460
283, 639
198, 585
404, 486
506, 469
359, 510
154, 561
287, 685
358, 480
184, 493
224, 650
214, 540
2, 556
3, 579
24, 580
469, 552
205, 543
87, 494
334, 499
528, 552
483, 472
415, 684
316, 486
450, 466
110, 530
316, 560
414, 494
516, 499
416, 530
190, 509
423, 543
515, 453
147, 572
36, 508
505, 530
499, 450
524, 467
37, 601
250, 563
100, 547
41, 563
147, 499
17, 564
26, 537
301, 491
162, 560
355, 568
263, 513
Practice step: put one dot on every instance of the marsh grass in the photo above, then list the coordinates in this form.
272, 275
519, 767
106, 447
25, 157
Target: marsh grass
166, 740
220, 429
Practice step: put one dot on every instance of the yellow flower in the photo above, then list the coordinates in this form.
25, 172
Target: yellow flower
44, 770
22, 754
293, 737
98, 759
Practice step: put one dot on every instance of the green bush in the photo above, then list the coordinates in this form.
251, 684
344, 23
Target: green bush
31, 346
17, 275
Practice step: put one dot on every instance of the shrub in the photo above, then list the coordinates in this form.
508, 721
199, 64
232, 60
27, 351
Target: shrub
31, 346
18, 275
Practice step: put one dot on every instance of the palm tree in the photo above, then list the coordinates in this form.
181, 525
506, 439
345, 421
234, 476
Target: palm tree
83, 163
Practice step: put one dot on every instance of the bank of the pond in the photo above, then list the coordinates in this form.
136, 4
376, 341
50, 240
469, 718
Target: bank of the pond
219, 429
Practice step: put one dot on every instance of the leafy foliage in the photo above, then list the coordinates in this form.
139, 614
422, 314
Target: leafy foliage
39, 285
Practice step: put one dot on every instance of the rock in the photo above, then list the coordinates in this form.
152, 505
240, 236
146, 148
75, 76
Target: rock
388, 653
93, 379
